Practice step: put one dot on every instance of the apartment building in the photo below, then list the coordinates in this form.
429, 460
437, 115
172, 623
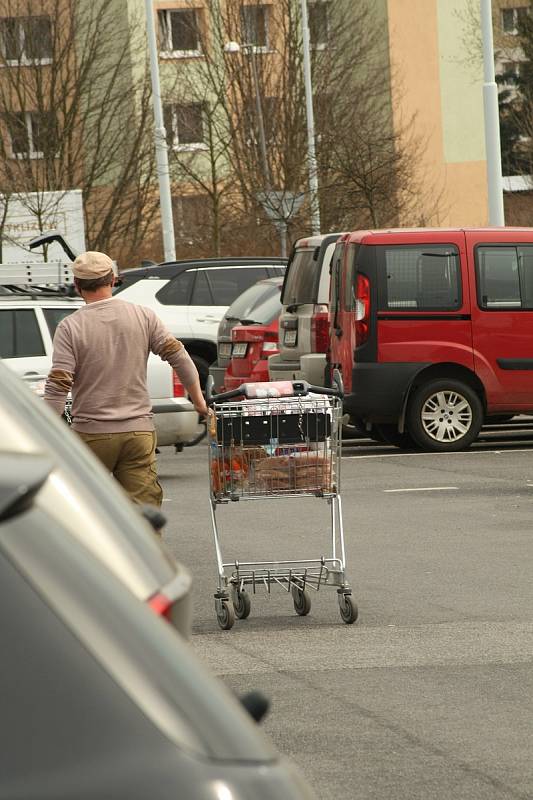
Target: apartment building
431, 93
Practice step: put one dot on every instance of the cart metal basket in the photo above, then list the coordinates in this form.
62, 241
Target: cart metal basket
277, 440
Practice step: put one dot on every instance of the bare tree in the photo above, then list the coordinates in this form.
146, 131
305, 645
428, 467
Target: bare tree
78, 115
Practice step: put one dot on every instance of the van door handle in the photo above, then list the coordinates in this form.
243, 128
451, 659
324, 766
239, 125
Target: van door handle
29, 374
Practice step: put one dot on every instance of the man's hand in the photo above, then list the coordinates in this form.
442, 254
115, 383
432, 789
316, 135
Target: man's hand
201, 407
197, 398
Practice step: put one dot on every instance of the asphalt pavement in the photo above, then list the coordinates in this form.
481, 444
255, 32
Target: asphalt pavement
429, 694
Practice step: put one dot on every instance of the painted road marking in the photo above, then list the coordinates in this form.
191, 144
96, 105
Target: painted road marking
425, 489
460, 453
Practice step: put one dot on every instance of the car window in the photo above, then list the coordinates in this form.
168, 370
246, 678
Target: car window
53, 317
267, 309
504, 276
201, 294
241, 308
19, 334
423, 277
28, 339
229, 282
177, 292
303, 277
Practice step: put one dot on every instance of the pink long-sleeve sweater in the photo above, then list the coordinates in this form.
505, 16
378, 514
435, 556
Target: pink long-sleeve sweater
100, 355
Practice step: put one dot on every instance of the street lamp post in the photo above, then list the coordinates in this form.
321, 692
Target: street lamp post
492, 120
165, 197
311, 151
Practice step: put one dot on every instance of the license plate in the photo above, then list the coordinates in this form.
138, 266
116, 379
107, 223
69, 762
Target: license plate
290, 338
224, 350
239, 349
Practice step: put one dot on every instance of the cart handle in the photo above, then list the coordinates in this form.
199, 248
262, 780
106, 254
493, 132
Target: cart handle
274, 389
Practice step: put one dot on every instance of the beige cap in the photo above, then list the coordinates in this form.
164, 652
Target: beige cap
92, 265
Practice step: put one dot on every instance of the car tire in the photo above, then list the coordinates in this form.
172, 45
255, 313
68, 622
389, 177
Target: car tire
203, 369
444, 415
389, 434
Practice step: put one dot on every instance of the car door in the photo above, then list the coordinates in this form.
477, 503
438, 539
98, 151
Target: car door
22, 345
214, 290
502, 322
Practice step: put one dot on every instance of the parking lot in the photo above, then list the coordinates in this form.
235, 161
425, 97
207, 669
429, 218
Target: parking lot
428, 695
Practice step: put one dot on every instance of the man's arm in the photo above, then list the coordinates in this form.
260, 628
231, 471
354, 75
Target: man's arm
170, 349
61, 376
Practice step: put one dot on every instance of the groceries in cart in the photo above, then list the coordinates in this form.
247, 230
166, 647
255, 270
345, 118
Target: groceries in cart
265, 445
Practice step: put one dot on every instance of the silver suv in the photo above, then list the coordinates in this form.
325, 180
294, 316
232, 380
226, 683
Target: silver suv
304, 320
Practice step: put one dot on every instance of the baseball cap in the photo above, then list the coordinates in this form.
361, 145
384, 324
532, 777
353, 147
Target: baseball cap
91, 265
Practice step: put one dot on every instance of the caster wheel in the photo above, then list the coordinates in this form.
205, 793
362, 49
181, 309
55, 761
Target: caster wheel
225, 615
242, 605
302, 602
348, 609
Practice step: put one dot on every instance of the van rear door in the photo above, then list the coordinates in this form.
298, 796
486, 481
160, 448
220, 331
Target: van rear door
502, 317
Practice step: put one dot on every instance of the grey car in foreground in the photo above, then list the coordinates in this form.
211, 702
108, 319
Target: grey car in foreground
101, 700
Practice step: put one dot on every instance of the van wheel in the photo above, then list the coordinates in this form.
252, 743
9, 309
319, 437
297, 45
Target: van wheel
444, 415
391, 435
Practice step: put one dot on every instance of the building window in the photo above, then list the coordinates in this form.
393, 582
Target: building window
26, 40
185, 126
511, 17
318, 24
179, 33
254, 25
32, 134
510, 72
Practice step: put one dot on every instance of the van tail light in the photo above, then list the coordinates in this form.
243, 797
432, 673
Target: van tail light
320, 329
161, 605
362, 309
178, 389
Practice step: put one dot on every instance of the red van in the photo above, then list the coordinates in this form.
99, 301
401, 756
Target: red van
432, 330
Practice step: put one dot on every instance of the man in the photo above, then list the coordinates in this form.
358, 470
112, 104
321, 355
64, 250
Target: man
100, 355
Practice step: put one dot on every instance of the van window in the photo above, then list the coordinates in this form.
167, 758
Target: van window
336, 271
349, 289
504, 277
303, 278
425, 278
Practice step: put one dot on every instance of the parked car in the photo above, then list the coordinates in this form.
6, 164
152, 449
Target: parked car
304, 322
78, 496
28, 320
101, 699
253, 343
431, 330
259, 304
191, 297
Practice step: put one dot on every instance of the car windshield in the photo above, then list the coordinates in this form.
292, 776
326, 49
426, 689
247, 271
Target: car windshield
260, 303
53, 317
302, 280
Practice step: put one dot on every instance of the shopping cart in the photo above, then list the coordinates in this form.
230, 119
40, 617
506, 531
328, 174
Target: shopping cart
277, 440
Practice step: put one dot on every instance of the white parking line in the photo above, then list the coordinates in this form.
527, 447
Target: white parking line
424, 489
460, 453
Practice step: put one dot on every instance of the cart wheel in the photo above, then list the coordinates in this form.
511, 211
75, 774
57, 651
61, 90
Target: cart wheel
242, 604
348, 608
225, 615
302, 601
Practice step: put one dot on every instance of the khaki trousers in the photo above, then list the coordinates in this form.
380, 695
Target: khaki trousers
130, 457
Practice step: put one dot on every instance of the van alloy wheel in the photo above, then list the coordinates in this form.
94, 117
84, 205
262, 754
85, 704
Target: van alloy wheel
444, 415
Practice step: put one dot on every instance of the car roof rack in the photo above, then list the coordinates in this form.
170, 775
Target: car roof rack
36, 278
